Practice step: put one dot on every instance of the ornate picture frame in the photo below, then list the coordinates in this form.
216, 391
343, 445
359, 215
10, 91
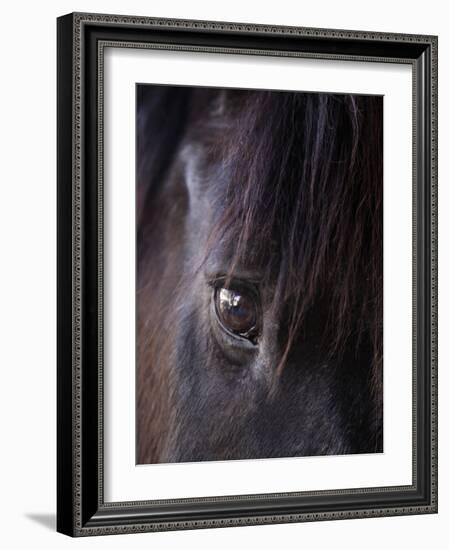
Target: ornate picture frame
81, 506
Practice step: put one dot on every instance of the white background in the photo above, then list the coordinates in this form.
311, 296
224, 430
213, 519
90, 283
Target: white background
28, 306
123, 480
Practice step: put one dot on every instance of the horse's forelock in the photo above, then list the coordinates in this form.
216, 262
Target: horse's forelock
304, 192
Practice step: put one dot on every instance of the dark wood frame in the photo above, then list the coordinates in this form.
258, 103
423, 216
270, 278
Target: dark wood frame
81, 509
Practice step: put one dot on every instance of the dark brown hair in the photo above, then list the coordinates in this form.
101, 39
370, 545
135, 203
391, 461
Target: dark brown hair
304, 192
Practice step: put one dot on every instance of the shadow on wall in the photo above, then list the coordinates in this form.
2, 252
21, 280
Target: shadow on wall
46, 520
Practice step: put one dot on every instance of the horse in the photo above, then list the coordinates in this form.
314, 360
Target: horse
259, 274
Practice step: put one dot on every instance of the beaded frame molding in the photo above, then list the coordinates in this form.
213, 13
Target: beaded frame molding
81, 510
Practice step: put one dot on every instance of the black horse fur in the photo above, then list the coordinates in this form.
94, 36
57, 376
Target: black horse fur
280, 192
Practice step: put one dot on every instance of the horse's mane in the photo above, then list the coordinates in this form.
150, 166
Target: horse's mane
304, 192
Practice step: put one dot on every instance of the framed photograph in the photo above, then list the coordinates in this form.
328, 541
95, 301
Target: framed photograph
247, 279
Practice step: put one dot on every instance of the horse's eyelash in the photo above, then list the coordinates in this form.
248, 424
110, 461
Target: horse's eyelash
235, 283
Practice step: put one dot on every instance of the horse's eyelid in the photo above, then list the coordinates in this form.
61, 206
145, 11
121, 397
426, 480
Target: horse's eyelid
217, 280
214, 282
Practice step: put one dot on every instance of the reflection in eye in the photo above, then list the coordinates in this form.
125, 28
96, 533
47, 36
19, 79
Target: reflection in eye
237, 312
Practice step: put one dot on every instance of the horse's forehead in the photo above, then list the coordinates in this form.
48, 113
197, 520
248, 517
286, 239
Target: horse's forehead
210, 178
207, 174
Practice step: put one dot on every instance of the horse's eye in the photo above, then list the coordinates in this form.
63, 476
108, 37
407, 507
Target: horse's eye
237, 312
